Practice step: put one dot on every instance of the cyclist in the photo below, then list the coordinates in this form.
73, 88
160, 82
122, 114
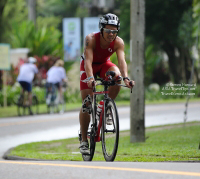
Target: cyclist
25, 78
98, 48
56, 75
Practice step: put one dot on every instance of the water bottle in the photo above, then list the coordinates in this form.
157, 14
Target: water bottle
99, 109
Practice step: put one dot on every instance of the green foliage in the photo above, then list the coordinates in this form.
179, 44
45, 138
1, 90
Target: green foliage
11, 93
82, 12
64, 8
52, 21
185, 29
44, 41
196, 16
68, 65
162, 25
72, 96
22, 35
125, 20
16, 12
152, 59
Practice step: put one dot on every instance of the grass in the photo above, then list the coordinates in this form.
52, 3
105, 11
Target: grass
11, 111
166, 143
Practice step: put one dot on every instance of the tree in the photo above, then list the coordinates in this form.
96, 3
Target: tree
196, 33
2, 6
168, 23
165, 24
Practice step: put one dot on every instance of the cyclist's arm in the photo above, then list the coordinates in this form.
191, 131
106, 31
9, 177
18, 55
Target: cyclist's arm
122, 63
88, 54
121, 58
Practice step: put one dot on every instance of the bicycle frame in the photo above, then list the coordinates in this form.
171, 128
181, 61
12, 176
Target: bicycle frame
95, 93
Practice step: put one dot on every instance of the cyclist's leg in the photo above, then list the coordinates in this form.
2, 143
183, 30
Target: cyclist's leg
29, 89
59, 88
22, 87
114, 90
84, 116
60, 92
109, 66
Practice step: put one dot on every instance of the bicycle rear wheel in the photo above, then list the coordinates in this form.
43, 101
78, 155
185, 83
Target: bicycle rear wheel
110, 133
35, 105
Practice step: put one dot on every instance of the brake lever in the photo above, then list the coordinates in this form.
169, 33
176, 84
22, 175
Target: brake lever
93, 86
131, 84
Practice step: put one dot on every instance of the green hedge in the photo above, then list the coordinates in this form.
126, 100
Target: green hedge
72, 96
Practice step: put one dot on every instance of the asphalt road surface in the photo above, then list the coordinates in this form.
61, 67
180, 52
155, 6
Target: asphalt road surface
19, 130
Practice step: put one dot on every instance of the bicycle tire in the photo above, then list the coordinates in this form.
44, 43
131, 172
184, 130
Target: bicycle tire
110, 133
92, 146
20, 107
91, 141
35, 105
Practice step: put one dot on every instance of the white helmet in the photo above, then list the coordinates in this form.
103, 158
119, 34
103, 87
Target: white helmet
109, 19
32, 60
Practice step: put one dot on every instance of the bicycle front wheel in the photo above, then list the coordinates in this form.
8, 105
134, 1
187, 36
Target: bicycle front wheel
110, 131
92, 145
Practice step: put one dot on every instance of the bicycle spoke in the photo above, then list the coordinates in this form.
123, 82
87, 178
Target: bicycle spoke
110, 133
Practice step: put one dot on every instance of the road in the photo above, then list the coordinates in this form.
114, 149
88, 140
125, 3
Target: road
19, 130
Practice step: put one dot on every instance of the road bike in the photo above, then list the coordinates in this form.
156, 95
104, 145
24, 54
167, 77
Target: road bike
53, 101
100, 129
22, 103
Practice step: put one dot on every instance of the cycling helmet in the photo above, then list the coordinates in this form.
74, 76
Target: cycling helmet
109, 19
32, 60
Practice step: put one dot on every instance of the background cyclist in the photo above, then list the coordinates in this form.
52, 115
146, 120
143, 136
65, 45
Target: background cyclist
25, 78
98, 48
56, 75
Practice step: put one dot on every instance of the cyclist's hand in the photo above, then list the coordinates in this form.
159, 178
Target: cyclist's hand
91, 83
129, 83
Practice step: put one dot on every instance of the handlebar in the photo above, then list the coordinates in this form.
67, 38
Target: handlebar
109, 81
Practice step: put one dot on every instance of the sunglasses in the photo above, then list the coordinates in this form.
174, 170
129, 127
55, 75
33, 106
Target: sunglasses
110, 31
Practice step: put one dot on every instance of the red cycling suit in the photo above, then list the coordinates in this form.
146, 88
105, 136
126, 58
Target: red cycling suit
101, 62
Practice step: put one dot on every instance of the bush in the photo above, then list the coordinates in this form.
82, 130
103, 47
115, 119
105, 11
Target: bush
44, 41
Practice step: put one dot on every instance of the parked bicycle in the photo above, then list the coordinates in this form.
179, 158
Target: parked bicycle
53, 101
22, 103
105, 120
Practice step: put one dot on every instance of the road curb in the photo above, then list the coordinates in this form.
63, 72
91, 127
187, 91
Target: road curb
7, 156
